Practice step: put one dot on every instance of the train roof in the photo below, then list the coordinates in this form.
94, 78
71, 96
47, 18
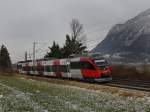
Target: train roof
24, 61
94, 56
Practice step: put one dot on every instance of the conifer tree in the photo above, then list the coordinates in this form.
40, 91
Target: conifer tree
72, 46
5, 62
55, 51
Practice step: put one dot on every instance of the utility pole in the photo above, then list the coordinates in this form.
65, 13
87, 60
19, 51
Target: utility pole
30, 57
26, 56
34, 55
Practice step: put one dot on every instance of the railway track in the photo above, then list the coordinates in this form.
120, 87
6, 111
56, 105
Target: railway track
130, 84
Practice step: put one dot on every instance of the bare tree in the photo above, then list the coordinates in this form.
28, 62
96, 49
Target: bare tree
76, 29
77, 32
75, 43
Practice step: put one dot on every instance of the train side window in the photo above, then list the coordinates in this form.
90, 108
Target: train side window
23, 68
81, 65
55, 68
40, 68
33, 68
26, 68
75, 65
47, 69
19, 66
64, 68
87, 65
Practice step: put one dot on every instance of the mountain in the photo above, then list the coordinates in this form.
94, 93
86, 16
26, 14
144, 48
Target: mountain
129, 42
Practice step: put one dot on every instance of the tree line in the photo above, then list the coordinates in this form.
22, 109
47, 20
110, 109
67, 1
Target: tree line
5, 61
74, 43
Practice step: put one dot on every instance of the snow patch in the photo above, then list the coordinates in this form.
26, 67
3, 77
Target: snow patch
117, 55
1, 96
16, 94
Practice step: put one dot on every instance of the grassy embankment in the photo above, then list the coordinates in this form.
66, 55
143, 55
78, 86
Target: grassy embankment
19, 94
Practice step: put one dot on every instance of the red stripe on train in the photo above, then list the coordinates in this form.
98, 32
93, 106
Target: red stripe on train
57, 73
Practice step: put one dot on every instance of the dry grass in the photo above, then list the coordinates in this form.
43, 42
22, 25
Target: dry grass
131, 94
7, 73
74, 83
92, 87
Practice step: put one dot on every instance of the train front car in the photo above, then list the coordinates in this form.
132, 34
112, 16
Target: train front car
102, 66
105, 69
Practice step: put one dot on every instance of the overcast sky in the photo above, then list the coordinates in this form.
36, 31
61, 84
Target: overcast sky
24, 21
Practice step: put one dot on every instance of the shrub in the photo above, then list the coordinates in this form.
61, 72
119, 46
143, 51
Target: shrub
131, 72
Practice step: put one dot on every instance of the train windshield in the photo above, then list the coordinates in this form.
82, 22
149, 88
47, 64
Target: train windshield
95, 56
102, 64
100, 61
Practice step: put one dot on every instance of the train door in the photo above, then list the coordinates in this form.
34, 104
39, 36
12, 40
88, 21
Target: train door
75, 70
40, 68
56, 68
68, 68
19, 67
64, 68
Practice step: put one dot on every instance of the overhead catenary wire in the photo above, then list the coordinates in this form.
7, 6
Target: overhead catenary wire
41, 51
88, 43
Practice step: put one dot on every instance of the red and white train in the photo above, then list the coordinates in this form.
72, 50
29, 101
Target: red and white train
86, 68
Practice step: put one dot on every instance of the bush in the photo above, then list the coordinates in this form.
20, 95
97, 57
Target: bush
9, 72
131, 72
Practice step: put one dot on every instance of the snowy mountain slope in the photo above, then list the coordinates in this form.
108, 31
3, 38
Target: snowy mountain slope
132, 37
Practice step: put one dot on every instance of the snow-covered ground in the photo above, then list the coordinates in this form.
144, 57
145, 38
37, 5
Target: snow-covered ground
18, 94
